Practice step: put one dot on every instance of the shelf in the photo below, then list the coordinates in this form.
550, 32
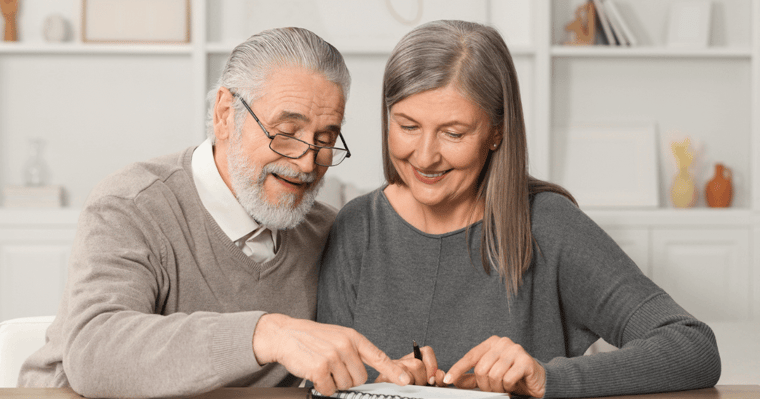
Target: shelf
673, 217
651, 52
346, 48
39, 217
93, 48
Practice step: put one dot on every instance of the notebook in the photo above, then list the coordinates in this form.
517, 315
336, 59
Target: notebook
386, 390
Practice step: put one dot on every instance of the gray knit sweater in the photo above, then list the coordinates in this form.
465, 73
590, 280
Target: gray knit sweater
160, 302
394, 284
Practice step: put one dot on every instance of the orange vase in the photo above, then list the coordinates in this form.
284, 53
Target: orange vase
719, 190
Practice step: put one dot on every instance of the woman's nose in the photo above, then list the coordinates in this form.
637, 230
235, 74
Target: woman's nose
427, 150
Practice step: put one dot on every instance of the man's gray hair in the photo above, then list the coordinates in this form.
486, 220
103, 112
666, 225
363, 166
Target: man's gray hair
252, 61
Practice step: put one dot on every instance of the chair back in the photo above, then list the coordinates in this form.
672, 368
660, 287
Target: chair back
19, 338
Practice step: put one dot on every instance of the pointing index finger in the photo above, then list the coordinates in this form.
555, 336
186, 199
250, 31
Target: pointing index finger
377, 359
468, 361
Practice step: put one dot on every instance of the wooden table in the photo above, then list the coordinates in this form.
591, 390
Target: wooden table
719, 392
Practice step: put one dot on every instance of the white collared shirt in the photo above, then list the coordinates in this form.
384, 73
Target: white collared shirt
256, 241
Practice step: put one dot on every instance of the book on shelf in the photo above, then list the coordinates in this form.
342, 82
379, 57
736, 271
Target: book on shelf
605, 22
617, 20
33, 196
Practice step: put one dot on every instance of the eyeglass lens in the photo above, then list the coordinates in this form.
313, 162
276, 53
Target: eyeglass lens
294, 148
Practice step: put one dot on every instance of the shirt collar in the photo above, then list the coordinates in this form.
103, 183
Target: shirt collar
218, 199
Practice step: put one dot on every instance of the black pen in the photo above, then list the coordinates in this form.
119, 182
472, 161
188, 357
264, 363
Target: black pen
417, 353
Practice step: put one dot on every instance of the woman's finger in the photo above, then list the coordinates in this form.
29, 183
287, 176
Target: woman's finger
466, 381
468, 361
412, 366
431, 364
497, 373
483, 368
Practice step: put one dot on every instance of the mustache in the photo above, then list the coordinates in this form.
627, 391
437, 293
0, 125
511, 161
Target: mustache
284, 171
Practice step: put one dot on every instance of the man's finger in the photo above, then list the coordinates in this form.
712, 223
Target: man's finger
468, 361
377, 359
354, 367
325, 385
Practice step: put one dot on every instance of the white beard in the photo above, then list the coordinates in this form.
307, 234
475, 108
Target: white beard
248, 183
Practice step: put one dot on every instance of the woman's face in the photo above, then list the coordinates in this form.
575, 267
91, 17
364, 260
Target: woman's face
438, 142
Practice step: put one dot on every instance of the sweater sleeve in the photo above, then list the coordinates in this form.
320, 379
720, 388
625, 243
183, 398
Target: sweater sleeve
662, 347
115, 341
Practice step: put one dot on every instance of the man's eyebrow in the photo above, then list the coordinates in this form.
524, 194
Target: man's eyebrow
290, 115
295, 116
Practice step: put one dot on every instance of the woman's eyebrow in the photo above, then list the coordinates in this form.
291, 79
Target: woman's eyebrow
447, 124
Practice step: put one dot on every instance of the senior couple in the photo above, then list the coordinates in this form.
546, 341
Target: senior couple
216, 267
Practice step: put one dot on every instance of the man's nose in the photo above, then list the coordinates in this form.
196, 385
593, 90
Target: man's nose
306, 162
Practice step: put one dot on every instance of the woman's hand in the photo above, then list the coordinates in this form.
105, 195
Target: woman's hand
422, 372
500, 365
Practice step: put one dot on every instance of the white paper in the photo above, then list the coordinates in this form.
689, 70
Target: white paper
422, 392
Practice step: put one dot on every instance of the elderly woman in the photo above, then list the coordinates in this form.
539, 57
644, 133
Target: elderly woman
489, 268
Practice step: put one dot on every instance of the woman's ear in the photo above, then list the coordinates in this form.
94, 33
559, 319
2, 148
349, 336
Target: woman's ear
496, 137
223, 119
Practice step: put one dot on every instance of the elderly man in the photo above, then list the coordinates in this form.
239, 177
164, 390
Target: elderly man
198, 270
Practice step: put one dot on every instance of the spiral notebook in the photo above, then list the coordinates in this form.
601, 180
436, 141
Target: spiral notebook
386, 390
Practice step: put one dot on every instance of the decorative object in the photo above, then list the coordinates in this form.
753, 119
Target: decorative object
616, 17
35, 169
689, 24
35, 193
9, 9
136, 21
719, 190
56, 29
683, 192
608, 165
583, 28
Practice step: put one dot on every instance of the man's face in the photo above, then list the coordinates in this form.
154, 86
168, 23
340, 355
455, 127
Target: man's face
275, 190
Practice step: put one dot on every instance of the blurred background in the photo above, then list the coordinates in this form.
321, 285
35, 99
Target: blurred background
648, 102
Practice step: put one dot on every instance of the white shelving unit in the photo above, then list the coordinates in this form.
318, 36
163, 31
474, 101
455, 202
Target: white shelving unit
100, 107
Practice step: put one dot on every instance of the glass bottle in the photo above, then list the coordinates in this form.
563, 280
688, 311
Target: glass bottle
35, 169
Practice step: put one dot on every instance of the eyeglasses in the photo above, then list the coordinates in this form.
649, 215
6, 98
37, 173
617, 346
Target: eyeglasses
294, 148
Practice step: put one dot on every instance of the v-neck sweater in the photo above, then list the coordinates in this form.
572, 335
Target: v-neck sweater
160, 302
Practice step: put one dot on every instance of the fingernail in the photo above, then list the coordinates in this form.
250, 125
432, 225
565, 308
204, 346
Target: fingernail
431, 380
404, 378
447, 379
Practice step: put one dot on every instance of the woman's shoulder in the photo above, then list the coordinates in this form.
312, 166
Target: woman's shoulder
552, 203
553, 212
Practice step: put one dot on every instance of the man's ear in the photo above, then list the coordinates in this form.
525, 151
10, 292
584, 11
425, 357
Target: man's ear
223, 117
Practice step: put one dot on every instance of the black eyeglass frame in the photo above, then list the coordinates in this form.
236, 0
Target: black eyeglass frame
314, 147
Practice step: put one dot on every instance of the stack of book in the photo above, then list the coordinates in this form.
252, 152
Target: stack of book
33, 197
615, 31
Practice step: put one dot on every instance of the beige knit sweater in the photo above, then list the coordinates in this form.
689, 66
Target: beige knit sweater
160, 302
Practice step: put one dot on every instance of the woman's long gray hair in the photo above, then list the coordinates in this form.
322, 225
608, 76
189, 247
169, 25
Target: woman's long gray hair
252, 61
474, 59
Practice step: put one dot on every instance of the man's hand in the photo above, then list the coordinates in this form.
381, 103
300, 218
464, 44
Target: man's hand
330, 356
423, 372
500, 365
